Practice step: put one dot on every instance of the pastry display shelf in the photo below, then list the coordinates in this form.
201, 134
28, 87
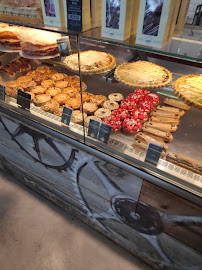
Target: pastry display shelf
178, 48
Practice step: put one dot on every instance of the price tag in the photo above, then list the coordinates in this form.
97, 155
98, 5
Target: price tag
23, 99
104, 133
66, 115
93, 128
2, 92
74, 15
64, 46
153, 154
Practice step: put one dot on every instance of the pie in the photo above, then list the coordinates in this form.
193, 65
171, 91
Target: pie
90, 62
189, 89
143, 74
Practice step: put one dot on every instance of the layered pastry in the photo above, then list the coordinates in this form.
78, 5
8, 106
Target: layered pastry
9, 37
16, 66
143, 74
189, 90
38, 43
90, 62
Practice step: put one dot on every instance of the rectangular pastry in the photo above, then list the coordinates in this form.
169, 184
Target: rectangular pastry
165, 135
161, 126
166, 120
142, 146
176, 103
147, 138
166, 114
186, 162
170, 109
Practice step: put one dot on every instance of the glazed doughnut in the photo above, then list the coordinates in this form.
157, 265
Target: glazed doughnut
62, 84
110, 104
70, 91
53, 91
85, 96
78, 116
72, 79
50, 106
37, 90
58, 77
89, 108
42, 69
77, 85
98, 99
116, 97
40, 99
93, 117
73, 103
48, 83
61, 98
103, 113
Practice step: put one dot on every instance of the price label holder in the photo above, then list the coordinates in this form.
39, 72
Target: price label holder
2, 92
93, 128
104, 133
23, 100
64, 46
66, 115
153, 154
74, 15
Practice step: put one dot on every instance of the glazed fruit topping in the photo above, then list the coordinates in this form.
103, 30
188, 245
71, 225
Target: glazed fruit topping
122, 113
139, 114
114, 122
132, 125
128, 104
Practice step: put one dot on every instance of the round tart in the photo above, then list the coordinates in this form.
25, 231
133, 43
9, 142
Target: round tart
143, 74
62, 84
189, 89
49, 73
23, 79
103, 113
121, 113
72, 79
53, 91
48, 83
98, 99
40, 99
37, 90
76, 85
110, 104
85, 96
128, 104
42, 69
147, 106
113, 122
50, 106
58, 77
70, 92
33, 73
116, 97
154, 98
73, 103
61, 98
131, 126
139, 115
89, 108
78, 116
90, 61
93, 117
39, 79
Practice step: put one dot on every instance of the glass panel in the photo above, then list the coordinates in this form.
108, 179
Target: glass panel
37, 68
126, 144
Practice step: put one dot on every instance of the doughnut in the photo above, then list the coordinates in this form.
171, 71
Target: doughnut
103, 113
110, 104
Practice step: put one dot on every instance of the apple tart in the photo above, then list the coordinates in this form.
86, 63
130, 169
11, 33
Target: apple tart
143, 74
90, 62
189, 89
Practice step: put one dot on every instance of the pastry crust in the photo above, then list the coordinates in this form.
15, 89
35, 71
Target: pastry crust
188, 89
50, 106
61, 98
161, 126
73, 103
53, 91
78, 117
37, 90
89, 107
176, 103
110, 104
143, 74
91, 62
103, 113
98, 99
70, 91
40, 99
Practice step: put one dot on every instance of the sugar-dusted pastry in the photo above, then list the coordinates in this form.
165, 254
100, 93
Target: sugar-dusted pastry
37, 90
42, 69
41, 99
110, 104
62, 84
103, 113
70, 91
50, 106
89, 107
58, 77
48, 83
98, 99
176, 103
78, 117
73, 103
53, 91
61, 98
93, 117
116, 97
77, 85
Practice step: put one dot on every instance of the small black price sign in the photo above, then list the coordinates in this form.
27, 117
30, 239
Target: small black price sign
153, 154
23, 99
66, 115
64, 46
2, 92
104, 133
74, 15
93, 128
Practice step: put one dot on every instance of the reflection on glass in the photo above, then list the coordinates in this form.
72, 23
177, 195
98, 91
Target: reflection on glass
152, 17
112, 13
49, 8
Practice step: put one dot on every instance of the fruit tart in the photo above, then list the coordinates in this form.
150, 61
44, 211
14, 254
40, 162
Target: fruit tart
121, 113
131, 126
128, 104
139, 115
114, 122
